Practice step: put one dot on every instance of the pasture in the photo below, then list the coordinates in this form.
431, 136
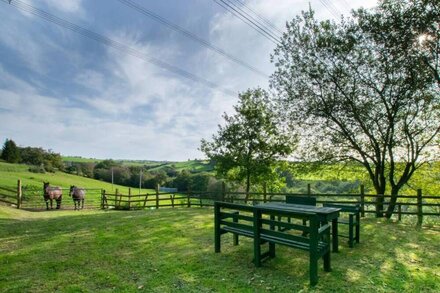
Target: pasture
9, 173
169, 250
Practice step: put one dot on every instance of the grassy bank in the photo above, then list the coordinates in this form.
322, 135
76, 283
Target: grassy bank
171, 250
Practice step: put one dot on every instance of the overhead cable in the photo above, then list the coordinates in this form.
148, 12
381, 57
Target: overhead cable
259, 16
190, 35
331, 9
257, 27
114, 44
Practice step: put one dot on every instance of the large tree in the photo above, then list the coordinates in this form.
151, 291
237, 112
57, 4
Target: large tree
366, 88
252, 141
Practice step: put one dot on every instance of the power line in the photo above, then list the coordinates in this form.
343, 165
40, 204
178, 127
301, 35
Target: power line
257, 27
114, 44
249, 20
254, 18
332, 5
349, 7
259, 16
189, 34
329, 8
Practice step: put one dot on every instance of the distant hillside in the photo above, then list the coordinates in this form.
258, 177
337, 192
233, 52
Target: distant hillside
190, 165
323, 178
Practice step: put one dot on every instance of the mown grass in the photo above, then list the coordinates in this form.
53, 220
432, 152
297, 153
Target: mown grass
169, 250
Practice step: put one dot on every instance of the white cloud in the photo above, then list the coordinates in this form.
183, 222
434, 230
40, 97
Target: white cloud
131, 108
68, 6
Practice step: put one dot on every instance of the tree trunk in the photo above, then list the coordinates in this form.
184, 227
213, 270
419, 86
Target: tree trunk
380, 191
392, 204
248, 186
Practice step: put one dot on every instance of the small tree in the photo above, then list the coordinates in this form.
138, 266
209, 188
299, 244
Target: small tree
248, 146
10, 152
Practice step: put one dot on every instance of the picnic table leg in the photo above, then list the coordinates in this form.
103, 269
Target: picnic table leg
327, 263
335, 234
314, 239
350, 231
235, 220
358, 227
216, 227
257, 241
272, 245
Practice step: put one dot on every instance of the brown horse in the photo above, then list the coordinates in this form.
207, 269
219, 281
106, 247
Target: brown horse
78, 194
52, 193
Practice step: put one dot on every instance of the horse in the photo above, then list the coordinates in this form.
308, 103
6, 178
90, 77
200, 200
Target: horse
52, 193
77, 194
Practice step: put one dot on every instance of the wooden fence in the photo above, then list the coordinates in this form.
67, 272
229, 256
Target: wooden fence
155, 200
417, 205
407, 205
10, 195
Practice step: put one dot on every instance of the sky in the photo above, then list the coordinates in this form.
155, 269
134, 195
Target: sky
77, 96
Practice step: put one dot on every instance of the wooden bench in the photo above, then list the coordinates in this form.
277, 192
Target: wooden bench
307, 200
261, 225
353, 221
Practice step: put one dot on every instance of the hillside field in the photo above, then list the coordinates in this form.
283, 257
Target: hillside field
10, 173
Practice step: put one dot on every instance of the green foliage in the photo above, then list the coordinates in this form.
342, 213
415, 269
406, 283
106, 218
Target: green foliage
365, 89
49, 160
10, 152
37, 169
247, 148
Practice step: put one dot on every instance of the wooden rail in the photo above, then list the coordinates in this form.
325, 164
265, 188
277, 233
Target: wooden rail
418, 205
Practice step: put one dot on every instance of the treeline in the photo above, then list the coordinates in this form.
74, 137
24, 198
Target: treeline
41, 160
186, 180
116, 172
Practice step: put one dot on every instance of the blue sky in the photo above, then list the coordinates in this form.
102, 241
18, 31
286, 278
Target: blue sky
75, 96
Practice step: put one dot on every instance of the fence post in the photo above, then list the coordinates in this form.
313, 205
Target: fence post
399, 212
362, 201
419, 208
189, 197
19, 194
116, 197
309, 189
223, 190
102, 198
264, 192
157, 196
129, 198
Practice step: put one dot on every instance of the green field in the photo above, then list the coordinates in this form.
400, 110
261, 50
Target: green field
33, 184
169, 250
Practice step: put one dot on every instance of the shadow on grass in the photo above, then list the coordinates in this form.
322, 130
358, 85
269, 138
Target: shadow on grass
172, 249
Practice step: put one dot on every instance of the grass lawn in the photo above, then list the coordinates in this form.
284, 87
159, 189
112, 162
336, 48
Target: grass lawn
169, 250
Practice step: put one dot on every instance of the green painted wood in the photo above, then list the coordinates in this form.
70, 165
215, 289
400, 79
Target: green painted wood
263, 229
353, 221
304, 200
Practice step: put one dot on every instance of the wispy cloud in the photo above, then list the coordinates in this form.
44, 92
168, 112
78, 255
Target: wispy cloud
78, 97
